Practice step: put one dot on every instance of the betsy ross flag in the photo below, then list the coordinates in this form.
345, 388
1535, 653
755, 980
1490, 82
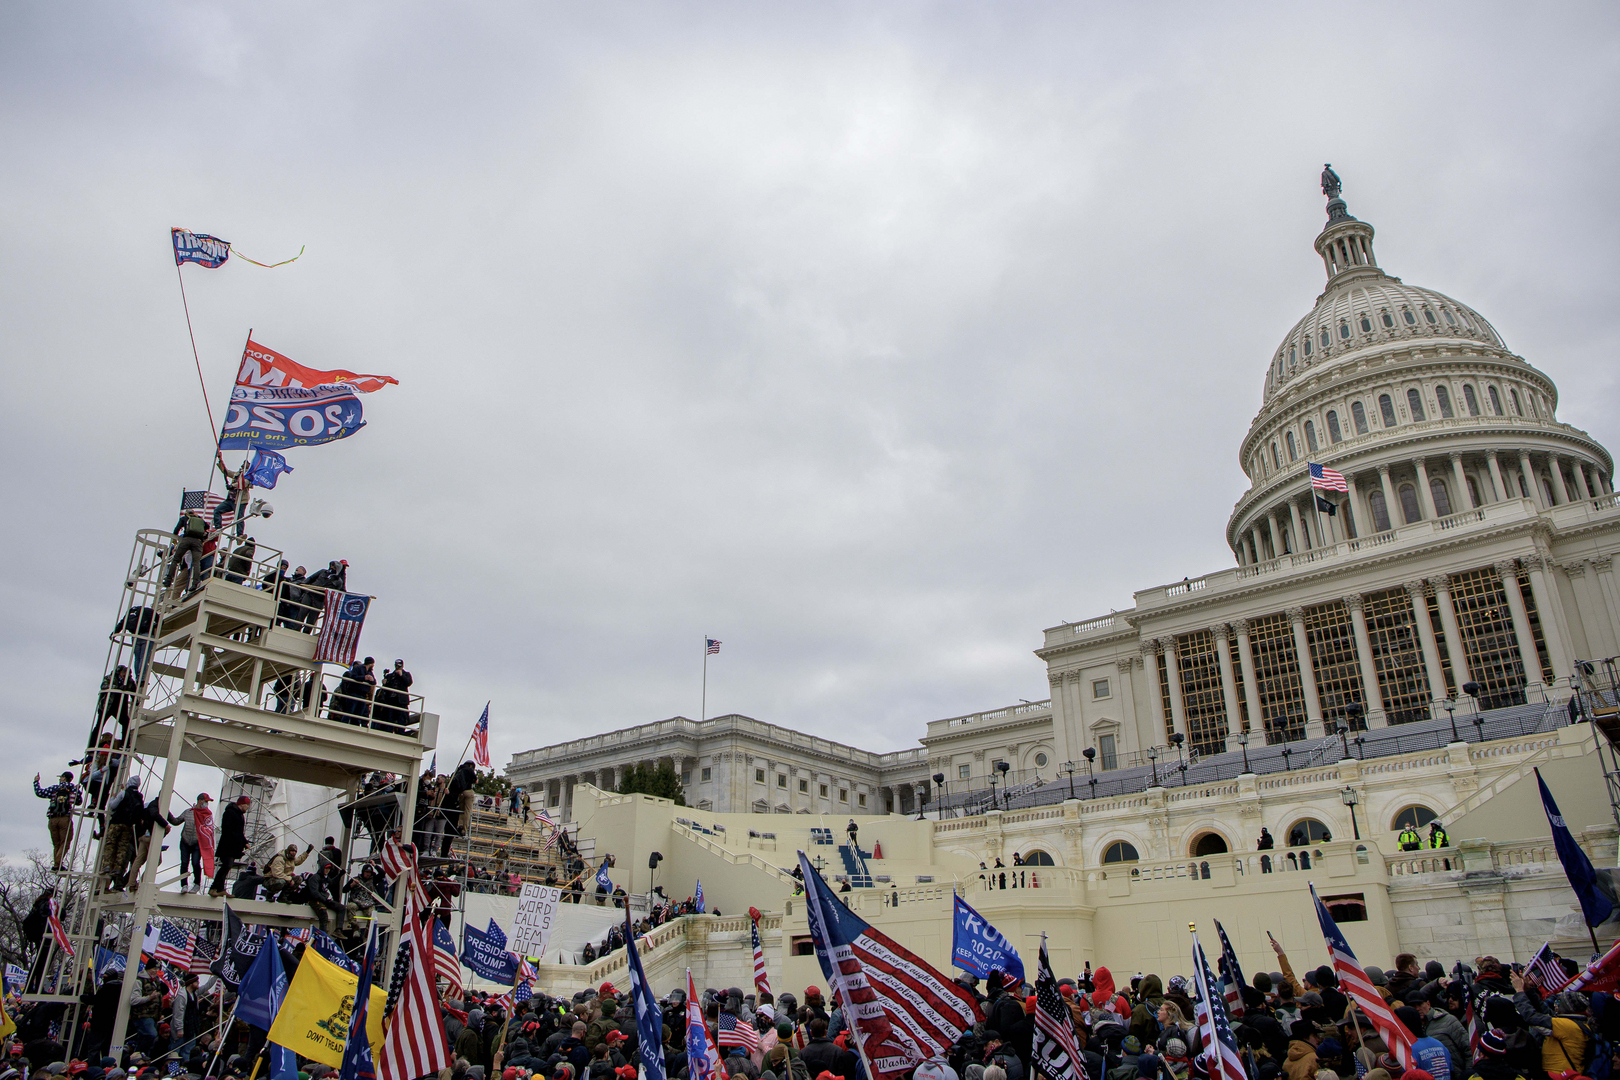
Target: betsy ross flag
58, 931
1056, 1054
710, 646
340, 629
702, 1060
445, 964
901, 1010
174, 945
1220, 1052
1326, 479
1354, 982
733, 1032
762, 981
480, 740
1231, 974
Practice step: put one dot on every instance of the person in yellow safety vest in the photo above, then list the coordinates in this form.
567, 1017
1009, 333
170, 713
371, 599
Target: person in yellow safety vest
1410, 840
1437, 836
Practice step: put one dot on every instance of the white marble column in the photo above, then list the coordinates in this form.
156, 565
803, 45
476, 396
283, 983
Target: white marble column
1431, 648
1155, 729
1276, 534
1498, 486
1424, 492
1257, 550
1061, 742
1172, 660
1352, 509
1391, 506
1126, 667
1580, 480
1529, 473
1608, 588
1588, 603
1234, 722
1251, 696
1307, 674
1448, 623
1509, 573
1555, 471
1463, 501
1301, 541
1371, 696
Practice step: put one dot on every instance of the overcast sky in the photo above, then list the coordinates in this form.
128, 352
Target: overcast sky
869, 339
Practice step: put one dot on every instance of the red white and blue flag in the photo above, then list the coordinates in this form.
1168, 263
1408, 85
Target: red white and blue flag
710, 646
174, 945
901, 1010
1220, 1052
445, 964
200, 248
733, 1032
1231, 974
762, 981
1056, 1052
1326, 479
1545, 970
1354, 982
340, 628
702, 1060
480, 740
58, 931
415, 1043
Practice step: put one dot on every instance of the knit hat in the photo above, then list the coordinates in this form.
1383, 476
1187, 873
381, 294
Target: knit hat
1376, 975
1416, 1074
1494, 1041
1178, 983
1132, 1045
1329, 1048
1262, 982
1175, 1048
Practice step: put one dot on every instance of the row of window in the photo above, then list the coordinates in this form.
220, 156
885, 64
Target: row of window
1337, 427
1300, 833
823, 790
1321, 338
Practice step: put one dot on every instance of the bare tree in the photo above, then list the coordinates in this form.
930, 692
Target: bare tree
20, 885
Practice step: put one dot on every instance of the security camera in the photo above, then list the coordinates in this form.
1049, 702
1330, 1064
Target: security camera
265, 509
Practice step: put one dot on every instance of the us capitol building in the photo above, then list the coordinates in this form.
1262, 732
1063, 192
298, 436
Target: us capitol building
1467, 562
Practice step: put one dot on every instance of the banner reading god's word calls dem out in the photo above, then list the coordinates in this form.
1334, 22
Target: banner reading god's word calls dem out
314, 1017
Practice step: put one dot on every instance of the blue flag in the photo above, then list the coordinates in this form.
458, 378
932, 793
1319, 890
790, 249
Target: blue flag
357, 1063
605, 882
697, 898
979, 948
1596, 908
649, 1017
266, 468
323, 943
283, 416
108, 960
485, 952
259, 999
200, 248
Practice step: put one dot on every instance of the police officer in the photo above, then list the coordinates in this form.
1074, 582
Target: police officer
1410, 840
1437, 836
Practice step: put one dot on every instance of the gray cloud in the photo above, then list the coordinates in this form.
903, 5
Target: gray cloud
868, 341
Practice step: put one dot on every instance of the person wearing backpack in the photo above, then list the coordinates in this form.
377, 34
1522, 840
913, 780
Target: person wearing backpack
190, 532
1567, 1040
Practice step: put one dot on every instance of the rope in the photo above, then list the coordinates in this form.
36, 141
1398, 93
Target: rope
267, 266
213, 430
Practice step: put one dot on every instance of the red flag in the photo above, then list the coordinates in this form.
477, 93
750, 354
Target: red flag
202, 820
1601, 974
266, 367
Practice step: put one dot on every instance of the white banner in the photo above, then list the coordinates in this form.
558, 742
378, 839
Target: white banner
531, 926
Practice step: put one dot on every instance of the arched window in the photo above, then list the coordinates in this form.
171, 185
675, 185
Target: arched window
1308, 831
1344, 330
1429, 317
1443, 397
1210, 843
1413, 817
1389, 320
1496, 401
1310, 435
1409, 504
1442, 498
1307, 345
1334, 435
1125, 851
1406, 313
1040, 761
1276, 461
1470, 400
1292, 454
1038, 858
1366, 325
1386, 409
1414, 402
1291, 355
1380, 512
1359, 415
1326, 338
1513, 395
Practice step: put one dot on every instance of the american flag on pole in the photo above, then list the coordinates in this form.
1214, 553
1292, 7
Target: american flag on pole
399, 860
733, 1032
305, 933
204, 502
762, 981
340, 627
1231, 974
1220, 1052
1326, 479
445, 964
1544, 970
481, 740
202, 956
1056, 1054
174, 945
1354, 982
901, 1010
58, 931
710, 646
1601, 974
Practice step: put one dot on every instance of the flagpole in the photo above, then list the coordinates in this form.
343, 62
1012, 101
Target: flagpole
703, 709
1310, 484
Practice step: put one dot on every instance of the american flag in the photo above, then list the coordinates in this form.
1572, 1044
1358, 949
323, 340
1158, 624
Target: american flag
520, 993
445, 964
733, 1032
1231, 974
415, 1044
399, 860
1326, 479
174, 945
1354, 982
301, 934
340, 628
762, 981
481, 740
710, 646
1056, 1054
1221, 1057
901, 1010
202, 956
58, 931
402, 968
1545, 971
702, 1060
204, 502
525, 970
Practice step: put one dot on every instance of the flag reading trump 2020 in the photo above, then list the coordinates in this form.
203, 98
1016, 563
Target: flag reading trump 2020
979, 948
277, 403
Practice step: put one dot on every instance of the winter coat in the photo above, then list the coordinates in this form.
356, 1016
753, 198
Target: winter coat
232, 834
1449, 1032
824, 1055
1301, 1061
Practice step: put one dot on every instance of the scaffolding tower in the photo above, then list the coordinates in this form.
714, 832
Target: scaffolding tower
219, 673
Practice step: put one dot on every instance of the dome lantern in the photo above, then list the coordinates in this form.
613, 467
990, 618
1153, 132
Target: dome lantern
1345, 244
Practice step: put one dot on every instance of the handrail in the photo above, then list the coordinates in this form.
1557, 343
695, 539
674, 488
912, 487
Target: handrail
736, 858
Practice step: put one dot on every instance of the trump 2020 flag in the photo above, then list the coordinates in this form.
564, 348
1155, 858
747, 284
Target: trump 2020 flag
199, 248
278, 402
340, 628
649, 1017
603, 882
697, 899
901, 1010
1583, 877
979, 948
266, 468
702, 1059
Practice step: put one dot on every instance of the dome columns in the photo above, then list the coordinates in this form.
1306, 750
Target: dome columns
1464, 499
1425, 493
1555, 468
1389, 498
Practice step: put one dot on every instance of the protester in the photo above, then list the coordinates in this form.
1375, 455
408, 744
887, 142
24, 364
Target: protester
232, 842
63, 796
190, 846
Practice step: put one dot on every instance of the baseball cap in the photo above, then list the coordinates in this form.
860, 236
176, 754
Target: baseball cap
203, 796
613, 1037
